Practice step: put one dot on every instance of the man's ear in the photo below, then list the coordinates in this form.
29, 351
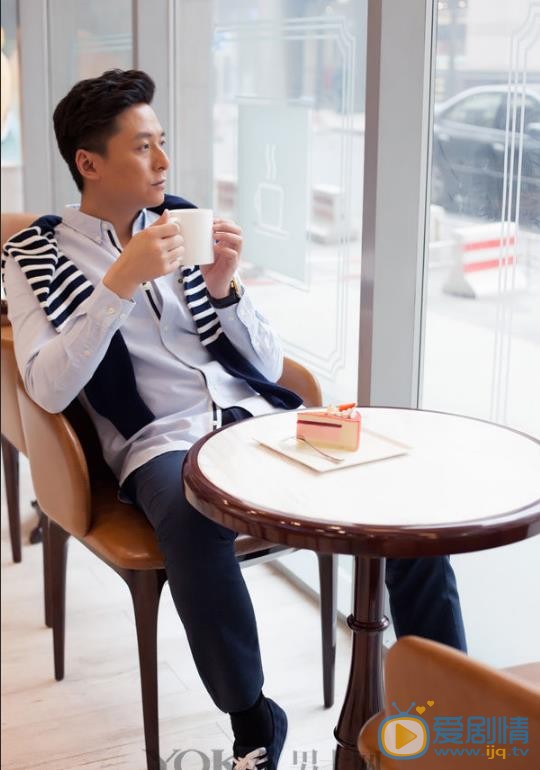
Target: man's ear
88, 164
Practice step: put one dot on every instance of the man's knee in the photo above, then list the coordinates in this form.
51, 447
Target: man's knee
188, 532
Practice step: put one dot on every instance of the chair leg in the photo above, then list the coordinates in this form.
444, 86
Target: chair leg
58, 542
46, 571
328, 567
145, 587
10, 457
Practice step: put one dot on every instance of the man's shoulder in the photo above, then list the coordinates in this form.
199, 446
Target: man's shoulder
42, 229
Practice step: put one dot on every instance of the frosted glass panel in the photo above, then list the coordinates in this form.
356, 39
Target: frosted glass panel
273, 158
288, 165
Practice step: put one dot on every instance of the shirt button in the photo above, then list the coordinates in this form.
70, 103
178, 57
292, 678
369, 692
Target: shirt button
87, 353
166, 328
111, 311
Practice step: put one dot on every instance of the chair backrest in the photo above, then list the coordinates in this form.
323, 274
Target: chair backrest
299, 379
60, 474
12, 427
12, 222
426, 672
11, 421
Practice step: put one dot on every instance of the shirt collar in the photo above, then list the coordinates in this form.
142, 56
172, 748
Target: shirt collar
95, 228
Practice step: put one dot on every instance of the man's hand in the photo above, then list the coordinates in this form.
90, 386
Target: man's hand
227, 248
156, 251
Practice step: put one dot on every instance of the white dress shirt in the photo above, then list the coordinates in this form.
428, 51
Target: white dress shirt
176, 376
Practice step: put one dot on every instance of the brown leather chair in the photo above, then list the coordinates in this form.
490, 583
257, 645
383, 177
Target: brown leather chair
423, 672
78, 494
12, 442
12, 433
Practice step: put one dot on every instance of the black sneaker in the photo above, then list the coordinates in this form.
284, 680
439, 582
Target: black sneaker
264, 757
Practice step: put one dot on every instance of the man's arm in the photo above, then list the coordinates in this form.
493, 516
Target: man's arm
54, 366
250, 332
247, 329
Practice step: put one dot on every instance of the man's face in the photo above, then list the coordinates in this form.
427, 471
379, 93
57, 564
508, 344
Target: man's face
132, 173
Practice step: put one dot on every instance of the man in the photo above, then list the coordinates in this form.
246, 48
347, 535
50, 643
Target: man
159, 355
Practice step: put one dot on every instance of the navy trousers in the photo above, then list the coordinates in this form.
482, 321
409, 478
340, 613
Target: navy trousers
213, 602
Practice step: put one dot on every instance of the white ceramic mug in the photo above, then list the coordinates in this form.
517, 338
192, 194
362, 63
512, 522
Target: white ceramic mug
196, 226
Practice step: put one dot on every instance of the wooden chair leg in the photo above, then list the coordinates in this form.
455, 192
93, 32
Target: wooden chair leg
145, 587
58, 542
10, 457
328, 567
46, 572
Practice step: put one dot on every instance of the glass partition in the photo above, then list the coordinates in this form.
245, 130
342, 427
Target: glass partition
288, 165
482, 332
85, 39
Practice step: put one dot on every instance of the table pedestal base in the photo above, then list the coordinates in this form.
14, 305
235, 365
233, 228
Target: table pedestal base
364, 691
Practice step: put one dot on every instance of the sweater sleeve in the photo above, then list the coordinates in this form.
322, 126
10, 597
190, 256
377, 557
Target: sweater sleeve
56, 366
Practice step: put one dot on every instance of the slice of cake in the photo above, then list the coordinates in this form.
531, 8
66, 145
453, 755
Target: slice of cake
337, 426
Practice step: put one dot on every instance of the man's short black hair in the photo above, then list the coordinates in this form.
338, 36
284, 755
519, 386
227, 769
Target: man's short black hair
86, 117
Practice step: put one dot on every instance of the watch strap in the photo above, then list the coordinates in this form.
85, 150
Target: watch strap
234, 295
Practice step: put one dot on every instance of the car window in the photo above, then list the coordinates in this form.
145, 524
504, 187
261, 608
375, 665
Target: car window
477, 110
532, 111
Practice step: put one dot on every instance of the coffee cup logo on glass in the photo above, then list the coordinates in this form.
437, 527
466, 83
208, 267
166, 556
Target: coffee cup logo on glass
196, 226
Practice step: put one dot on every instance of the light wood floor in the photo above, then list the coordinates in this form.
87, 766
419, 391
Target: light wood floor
93, 719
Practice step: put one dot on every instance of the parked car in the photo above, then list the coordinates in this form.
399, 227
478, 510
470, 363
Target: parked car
469, 150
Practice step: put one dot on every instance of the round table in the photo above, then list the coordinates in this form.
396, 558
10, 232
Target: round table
464, 485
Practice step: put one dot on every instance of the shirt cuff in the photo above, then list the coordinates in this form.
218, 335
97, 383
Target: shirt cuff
241, 310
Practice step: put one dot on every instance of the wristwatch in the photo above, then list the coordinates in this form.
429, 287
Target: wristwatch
235, 293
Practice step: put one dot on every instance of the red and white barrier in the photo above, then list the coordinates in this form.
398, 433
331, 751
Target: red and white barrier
485, 262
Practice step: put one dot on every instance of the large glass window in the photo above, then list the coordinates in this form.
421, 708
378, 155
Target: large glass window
85, 39
288, 165
482, 332
482, 308
481, 109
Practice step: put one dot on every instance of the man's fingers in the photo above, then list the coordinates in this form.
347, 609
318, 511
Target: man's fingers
174, 259
173, 242
165, 230
177, 252
226, 226
172, 266
231, 239
162, 219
